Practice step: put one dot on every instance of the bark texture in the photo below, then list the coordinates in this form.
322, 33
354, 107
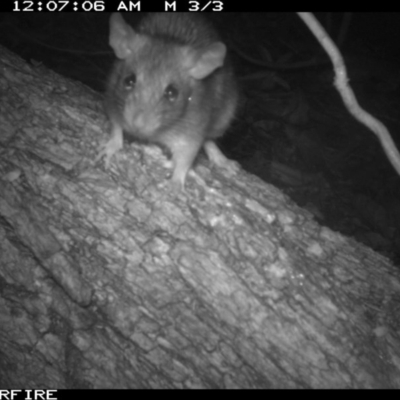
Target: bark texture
110, 280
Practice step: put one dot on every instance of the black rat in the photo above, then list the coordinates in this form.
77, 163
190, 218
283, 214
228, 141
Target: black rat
172, 84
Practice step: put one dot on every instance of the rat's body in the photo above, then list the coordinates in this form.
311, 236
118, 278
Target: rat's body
171, 85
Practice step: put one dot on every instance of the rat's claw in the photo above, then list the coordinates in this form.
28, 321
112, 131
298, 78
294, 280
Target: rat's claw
107, 150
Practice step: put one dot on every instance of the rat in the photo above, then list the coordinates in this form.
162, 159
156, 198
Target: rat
172, 84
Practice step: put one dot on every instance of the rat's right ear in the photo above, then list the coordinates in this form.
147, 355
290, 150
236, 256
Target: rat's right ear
121, 36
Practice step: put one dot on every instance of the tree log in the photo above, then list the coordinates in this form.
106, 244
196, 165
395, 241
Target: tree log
108, 279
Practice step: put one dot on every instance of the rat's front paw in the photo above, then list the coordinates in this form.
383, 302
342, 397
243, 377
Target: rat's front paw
107, 150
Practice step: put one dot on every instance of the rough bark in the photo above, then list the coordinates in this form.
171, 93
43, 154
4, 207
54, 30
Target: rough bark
109, 279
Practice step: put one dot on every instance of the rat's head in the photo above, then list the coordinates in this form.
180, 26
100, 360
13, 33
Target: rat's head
158, 79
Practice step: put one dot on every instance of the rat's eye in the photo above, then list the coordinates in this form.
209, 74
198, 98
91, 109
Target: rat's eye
171, 93
129, 81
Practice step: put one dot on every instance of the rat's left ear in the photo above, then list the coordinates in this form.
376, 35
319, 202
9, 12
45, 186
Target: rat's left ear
201, 63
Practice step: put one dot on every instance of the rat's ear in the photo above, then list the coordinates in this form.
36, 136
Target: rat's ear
201, 63
121, 36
